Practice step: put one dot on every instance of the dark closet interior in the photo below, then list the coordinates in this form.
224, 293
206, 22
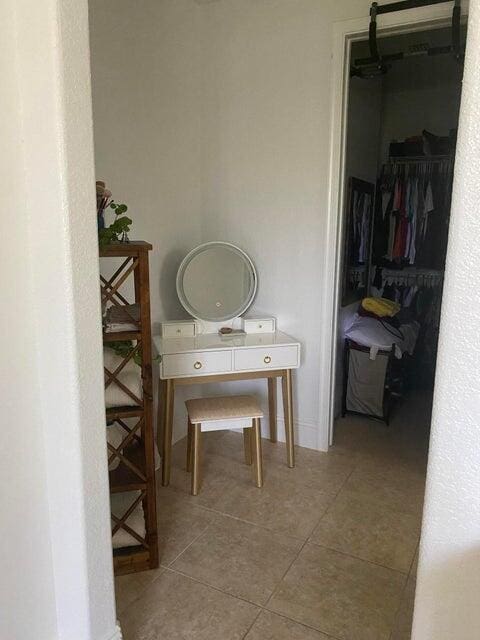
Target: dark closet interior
401, 137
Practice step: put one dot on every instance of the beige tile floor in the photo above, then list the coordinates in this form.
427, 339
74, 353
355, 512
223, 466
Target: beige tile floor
324, 551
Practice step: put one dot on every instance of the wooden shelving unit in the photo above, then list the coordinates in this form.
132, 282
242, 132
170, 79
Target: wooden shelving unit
136, 455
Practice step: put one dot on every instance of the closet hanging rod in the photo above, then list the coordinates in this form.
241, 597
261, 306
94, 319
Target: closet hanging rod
418, 159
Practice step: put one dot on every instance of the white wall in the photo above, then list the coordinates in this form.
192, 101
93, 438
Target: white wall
146, 62
56, 580
448, 583
26, 552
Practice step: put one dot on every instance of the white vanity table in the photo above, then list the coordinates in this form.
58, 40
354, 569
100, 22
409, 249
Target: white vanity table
188, 357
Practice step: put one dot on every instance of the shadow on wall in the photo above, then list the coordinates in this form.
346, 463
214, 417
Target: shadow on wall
170, 304
441, 613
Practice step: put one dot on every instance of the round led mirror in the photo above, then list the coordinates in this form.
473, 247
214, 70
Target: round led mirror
216, 282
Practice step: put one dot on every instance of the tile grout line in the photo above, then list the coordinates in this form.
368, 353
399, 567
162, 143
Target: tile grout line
351, 555
261, 608
211, 586
404, 590
355, 466
260, 611
303, 624
334, 499
188, 546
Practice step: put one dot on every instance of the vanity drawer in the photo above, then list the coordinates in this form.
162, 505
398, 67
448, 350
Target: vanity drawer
282, 357
178, 329
177, 365
259, 325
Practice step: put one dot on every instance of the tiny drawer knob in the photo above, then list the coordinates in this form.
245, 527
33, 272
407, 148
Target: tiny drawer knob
267, 359
197, 365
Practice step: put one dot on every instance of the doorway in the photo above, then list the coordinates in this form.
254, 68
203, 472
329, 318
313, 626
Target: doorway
346, 34
401, 136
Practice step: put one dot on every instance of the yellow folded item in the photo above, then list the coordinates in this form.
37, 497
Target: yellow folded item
381, 307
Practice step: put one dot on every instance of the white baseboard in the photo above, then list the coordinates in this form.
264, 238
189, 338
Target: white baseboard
306, 433
117, 634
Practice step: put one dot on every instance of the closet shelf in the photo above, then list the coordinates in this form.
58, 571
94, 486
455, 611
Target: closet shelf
115, 336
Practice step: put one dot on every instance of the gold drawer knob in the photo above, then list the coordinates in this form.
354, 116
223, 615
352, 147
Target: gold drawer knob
267, 359
197, 365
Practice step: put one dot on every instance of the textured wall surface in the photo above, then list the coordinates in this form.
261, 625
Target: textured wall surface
58, 583
448, 585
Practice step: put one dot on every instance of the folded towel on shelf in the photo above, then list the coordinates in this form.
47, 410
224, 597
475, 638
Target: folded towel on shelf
124, 318
119, 504
130, 376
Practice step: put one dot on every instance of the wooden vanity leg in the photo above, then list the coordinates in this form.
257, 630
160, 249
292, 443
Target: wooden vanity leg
196, 462
288, 416
161, 415
167, 432
247, 444
272, 408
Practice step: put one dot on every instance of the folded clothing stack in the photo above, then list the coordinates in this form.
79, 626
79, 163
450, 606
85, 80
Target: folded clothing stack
119, 504
124, 318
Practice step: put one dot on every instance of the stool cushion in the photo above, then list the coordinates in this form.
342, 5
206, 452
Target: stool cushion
223, 408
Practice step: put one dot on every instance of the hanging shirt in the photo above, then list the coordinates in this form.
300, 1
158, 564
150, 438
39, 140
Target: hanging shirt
428, 207
411, 251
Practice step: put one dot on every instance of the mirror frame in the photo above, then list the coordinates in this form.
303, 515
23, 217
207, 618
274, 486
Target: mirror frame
200, 249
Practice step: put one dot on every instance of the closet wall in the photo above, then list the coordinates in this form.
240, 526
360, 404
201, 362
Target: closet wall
365, 105
420, 92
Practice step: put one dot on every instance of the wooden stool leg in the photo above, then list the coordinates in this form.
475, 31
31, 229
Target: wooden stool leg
257, 453
196, 472
189, 446
247, 443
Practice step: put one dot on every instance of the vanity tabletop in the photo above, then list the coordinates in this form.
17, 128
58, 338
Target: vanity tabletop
215, 342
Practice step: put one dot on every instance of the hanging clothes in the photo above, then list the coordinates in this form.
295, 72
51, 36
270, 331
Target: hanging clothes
412, 213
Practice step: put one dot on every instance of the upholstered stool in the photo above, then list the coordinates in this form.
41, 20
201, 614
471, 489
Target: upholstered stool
216, 414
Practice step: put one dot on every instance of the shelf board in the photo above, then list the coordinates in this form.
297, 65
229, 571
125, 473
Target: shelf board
131, 559
123, 478
115, 336
119, 249
124, 412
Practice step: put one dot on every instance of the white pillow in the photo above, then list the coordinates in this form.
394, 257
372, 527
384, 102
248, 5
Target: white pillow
369, 332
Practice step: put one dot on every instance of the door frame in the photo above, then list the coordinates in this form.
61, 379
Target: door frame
344, 33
